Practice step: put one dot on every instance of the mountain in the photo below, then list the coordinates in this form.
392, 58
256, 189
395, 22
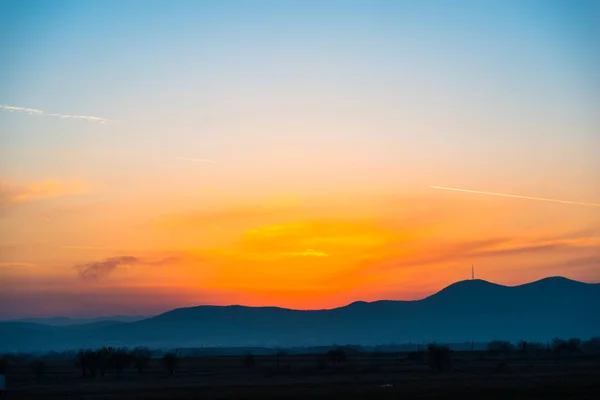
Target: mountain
468, 310
66, 321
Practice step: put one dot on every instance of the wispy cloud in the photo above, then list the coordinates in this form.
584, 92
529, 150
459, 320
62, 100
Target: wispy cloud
47, 190
34, 111
308, 253
96, 270
515, 196
12, 194
99, 269
16, 264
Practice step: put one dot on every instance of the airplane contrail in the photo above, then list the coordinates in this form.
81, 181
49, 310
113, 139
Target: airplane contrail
515, 196
196, 159
32, 111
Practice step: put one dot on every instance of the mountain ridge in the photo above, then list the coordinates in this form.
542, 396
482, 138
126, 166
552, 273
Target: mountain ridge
463, 311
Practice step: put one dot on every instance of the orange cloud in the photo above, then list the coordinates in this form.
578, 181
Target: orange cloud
11, 194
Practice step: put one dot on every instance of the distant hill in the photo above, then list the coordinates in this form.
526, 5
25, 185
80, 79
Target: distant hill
468, 310
66, 321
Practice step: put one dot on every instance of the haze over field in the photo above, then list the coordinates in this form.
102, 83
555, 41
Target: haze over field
157, 155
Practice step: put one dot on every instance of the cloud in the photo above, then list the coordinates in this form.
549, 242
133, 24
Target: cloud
516, 196
495, 247
48, 190
540, 246
100, 269
308, 253
33, 111
12, 194
97, 270
444, 253
592, 261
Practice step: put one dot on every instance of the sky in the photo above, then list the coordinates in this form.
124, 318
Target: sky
160, 154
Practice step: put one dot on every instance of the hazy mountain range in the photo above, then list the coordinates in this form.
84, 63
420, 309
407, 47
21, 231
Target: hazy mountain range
464, 311
67, 321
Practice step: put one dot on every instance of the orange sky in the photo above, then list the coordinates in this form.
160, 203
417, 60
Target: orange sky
300, 252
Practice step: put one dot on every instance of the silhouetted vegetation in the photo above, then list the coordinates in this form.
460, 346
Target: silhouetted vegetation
120, 359
566, 347
170, 361
499, 347
591, 346
141, 357
87, 361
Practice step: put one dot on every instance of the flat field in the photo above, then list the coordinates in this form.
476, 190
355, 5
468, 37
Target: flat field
474, 375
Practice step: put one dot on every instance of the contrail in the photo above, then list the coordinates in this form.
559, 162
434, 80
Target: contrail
32, 111
196, 159
515, 196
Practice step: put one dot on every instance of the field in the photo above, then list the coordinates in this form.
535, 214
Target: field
362, 376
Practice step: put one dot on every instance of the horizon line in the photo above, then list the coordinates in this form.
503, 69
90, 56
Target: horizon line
152, 315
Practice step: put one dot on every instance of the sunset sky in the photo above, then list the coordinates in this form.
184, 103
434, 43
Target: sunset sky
159, 154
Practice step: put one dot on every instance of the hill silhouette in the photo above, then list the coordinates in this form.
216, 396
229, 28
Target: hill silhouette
464, 311
66, 321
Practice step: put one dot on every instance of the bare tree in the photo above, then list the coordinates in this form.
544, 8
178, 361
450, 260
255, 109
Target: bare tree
170, 361
141, 358
120, 359
87, 360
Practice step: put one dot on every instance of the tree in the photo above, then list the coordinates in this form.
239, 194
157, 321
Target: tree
439, 357
120, 359
170, 361
141, 358
591, 346
87, 360
560, 346
498, 347
104, 356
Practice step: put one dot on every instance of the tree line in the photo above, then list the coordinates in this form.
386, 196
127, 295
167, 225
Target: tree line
94, 362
